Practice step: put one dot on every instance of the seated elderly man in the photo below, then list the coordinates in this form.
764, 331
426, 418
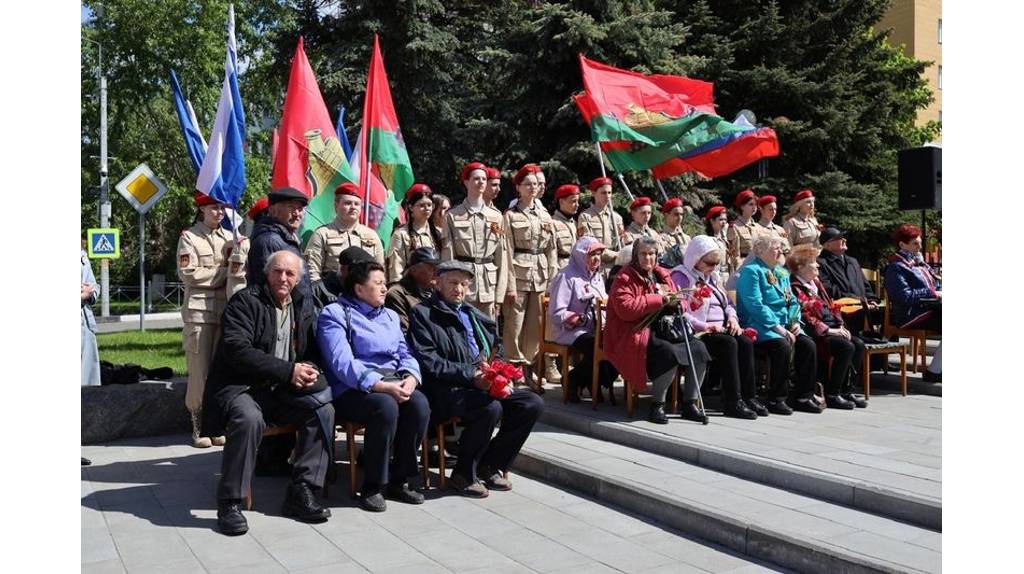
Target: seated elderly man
453, 341
264, 371
841, 276
416, 285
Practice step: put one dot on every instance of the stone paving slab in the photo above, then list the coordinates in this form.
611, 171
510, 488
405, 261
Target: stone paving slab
790, 529
148, 506
886, 458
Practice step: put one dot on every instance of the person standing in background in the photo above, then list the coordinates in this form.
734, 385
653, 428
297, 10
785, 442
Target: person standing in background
90, 349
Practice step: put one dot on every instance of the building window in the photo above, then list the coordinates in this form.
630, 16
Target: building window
940, 31
940, 76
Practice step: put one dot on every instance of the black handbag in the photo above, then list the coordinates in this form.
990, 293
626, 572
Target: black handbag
312, 397
671, 327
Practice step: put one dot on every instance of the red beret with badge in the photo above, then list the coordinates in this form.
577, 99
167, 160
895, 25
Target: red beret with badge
671, 204
639, 202
566, 190
765, 200
714, 212
528, 169
743, 197
470, 168
598, 182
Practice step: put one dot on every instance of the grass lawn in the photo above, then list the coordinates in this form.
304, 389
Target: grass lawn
151, 349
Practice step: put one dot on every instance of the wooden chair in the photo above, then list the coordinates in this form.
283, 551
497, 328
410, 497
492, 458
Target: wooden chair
546, 347
351, 430
918, 337
442, 481
275, 430
886, 348
595, 381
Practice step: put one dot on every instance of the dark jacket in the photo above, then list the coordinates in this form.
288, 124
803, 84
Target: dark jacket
268, 237
244, 356
842, 277
402, 297
438, 341
908, 280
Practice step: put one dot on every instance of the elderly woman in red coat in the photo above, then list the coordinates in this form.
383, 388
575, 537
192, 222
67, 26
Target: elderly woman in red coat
640, 289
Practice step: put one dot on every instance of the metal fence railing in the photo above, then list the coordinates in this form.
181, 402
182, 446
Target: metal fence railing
166, 296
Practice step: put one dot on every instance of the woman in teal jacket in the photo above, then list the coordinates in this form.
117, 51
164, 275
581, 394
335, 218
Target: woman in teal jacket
765, 303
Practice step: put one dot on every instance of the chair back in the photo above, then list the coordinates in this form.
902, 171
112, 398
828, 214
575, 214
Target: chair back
873, 277
599, 311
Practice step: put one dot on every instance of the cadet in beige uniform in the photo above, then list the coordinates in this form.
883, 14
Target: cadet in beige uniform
567, 198
802, 226
473, 234
493, 189
743, 230
328, 241
715, 223
203, 268
769, 208
601, 222
672, 234
640, 211
530, 261
416, 233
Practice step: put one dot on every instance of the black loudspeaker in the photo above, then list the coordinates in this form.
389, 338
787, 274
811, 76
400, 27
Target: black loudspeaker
920, 178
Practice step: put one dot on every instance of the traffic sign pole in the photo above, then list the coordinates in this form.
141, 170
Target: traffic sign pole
142, 271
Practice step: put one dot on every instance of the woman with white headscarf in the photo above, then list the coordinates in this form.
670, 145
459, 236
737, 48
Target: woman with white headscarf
714, 320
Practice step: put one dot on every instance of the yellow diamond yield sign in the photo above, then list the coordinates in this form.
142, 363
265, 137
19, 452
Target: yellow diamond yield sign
142, 188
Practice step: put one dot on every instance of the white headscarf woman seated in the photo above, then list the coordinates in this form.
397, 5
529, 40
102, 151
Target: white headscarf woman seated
575, 292
716, 324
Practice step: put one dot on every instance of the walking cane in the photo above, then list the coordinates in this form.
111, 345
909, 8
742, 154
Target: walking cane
693, 370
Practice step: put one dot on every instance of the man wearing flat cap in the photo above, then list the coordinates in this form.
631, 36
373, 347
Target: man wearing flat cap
473, 235
601, 222
416, 285
453, 343
276, 229
841, 276
328, 241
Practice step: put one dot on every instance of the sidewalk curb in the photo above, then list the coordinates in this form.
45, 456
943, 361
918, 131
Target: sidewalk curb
903, 506
704, 522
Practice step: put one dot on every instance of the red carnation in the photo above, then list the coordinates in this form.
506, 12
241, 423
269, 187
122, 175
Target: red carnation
751, 334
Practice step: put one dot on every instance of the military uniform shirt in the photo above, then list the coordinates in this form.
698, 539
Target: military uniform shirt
328, 241
474, 236
565, 237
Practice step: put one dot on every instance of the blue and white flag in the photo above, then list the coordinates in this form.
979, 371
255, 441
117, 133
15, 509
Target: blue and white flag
222, 175
194, 142
339, 129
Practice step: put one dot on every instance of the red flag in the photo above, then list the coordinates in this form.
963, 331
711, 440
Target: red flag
723, 160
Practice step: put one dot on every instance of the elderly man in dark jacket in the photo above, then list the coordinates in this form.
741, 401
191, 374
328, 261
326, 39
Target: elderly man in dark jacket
264, 371
841, 276
451, 341
275, 229
416, 285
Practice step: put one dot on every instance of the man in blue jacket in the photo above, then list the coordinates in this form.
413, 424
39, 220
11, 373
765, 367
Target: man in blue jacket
276, 229
452, 341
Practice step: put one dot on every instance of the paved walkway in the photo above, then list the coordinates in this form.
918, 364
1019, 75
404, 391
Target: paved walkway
148, 506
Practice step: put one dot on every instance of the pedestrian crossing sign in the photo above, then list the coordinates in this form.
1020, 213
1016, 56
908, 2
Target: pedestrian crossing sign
104, 243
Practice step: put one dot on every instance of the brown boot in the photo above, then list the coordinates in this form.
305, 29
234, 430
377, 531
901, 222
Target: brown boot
198, 441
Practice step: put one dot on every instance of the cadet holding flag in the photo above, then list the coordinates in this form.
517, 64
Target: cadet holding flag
473, 234
601, 222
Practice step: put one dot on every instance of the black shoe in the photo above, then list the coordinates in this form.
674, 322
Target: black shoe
838, 402
930, 377
690, 412
403, 493
807, 405
86, 462
859, 402
739, 410
657, 414
493, 479
779, 407
300, 503
757, 406
230, 520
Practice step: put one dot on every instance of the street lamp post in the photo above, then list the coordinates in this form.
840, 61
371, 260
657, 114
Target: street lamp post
104, 184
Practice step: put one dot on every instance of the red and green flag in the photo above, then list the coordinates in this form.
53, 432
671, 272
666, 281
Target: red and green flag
381, 160
307, 154
644, 121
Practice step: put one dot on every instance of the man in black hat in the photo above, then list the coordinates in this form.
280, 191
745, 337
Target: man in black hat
328, 287
416, 285
276, 229
453, 341
842, 277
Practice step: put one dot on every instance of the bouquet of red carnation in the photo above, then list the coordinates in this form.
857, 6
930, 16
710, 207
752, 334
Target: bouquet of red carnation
500, 375
698, 296
751, 334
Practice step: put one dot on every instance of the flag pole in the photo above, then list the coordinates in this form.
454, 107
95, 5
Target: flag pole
600, 158
661, 188
625, 187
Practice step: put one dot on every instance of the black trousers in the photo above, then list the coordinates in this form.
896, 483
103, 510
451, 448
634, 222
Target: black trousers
846, 355
581, 376
805, 363
247, 416
480, 414
734, 358
663, 358
388, 424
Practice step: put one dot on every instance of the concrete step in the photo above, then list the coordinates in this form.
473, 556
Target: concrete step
791, 530
882, 459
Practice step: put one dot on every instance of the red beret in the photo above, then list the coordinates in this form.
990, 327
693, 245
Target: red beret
743, 197
416, 192
347, 188
803, 194
258, 207
525, 171
765, 200
598, 182
639, 202
493, 173
469, 168
203, 199
671, 204
714, 212
905, 233
566, 190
